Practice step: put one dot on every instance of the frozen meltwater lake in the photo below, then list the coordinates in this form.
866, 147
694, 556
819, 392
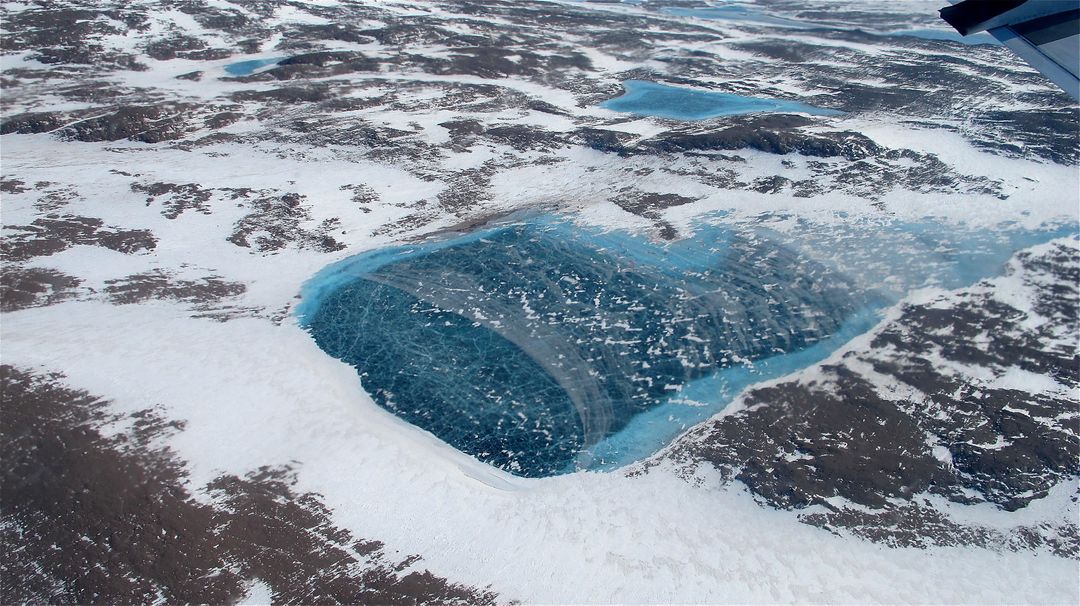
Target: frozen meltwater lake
680, 103
542, 347
250, 66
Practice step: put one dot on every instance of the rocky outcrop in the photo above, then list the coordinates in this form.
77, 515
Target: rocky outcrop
92, 517
970, 396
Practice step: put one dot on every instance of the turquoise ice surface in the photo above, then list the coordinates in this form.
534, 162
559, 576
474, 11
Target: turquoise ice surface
680, 103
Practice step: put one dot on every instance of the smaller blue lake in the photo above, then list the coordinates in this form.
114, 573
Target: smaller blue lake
250, 66
680, 103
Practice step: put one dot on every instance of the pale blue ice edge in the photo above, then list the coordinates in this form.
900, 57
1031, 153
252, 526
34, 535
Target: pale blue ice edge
333, 276
650, 431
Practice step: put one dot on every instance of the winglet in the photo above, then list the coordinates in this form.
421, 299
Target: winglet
1045, 33
967, 16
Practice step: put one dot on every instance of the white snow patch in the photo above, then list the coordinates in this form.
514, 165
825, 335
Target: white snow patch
259, 594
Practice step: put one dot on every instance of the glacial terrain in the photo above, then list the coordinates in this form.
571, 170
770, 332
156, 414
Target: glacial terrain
534, 301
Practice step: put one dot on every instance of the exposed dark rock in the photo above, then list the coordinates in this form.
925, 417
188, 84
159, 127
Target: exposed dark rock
54, 199
343, 32
12, 186
770, 185
409, 33
497, 62
467, 189
37, 122
921, 525
322, 58
55, 233
333, 130
545, 107
604, 140
316, 65
869, 178
1038, 131
21, 288
803, 445
169, 48
208, 54
460, 128
523, 138
921, 428
229, 20
157, 284
763, 136
788, 50
211, 139
176, 197
275, 222
287, 95
42, 28
223, 119
463, 133
90, 518
775, 134
149, 124
96, 93
649, 205
59, 34
409, 223
363, 196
